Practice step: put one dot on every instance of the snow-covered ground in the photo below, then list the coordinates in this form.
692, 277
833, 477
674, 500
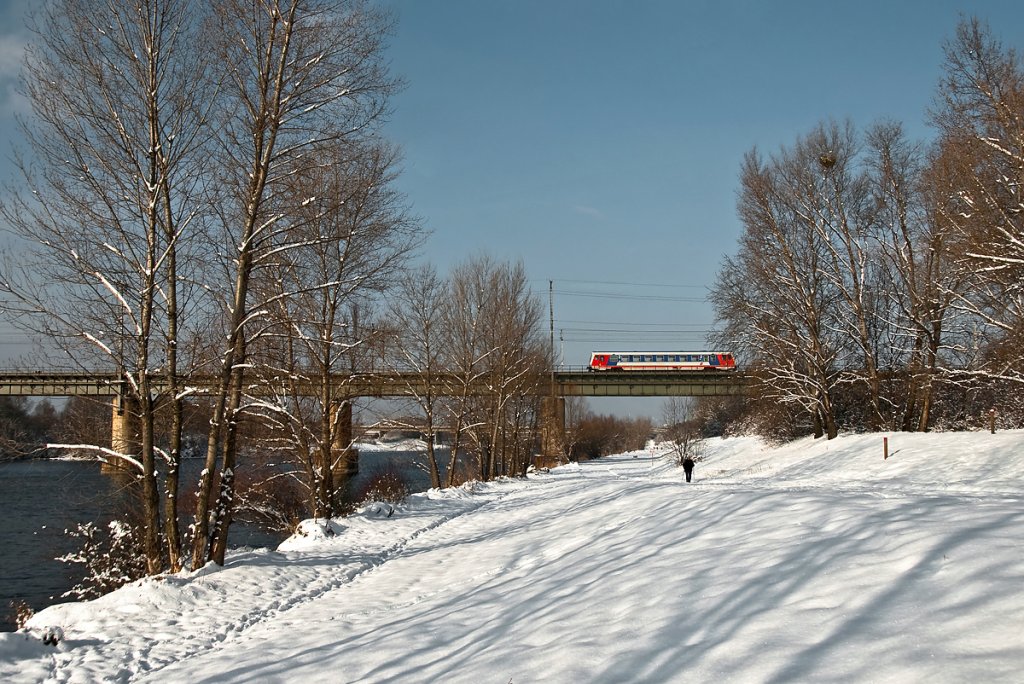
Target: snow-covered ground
817, 561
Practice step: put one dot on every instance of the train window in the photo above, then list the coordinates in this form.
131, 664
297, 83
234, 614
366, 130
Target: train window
629, 358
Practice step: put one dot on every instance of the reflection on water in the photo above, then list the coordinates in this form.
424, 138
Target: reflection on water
411, 464
40, 499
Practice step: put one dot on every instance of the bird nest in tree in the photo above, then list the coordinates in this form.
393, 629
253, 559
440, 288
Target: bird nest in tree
827, 160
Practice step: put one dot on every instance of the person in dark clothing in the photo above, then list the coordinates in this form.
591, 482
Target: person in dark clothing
688, 467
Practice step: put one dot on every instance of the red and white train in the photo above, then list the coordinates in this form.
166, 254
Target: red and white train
661, 361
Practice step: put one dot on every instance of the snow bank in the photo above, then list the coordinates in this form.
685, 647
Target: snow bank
814, 561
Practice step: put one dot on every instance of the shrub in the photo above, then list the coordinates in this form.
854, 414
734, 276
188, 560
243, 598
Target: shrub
270, 499
21, 612
386, 484
597, 436
112, 555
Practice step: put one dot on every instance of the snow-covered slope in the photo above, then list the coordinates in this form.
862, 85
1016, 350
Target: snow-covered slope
815, 561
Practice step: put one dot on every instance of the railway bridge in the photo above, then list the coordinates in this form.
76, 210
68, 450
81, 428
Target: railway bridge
552, 386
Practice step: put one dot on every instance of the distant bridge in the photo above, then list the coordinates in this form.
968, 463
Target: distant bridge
552, 387
576, 382
585, 383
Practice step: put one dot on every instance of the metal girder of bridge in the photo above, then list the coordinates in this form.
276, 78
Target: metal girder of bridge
59, 384
107, 384
392, 384
648, 384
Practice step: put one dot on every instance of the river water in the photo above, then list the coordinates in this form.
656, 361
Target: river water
39, 500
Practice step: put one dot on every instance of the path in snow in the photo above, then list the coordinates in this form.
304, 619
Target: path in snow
816, 561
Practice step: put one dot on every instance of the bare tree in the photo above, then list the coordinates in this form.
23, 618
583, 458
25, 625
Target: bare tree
510, 351
840, 209
921, 279
774, 301
980, 187
682, 428
415, 315
110, 200
513, 330
168, 141
843, 276
576, 411
350, 235
305, 75
464, 338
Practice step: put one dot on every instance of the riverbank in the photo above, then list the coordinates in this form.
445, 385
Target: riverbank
41, 498
814, 561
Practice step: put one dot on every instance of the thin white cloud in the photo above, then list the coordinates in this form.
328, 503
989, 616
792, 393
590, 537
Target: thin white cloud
12, 50
588, 211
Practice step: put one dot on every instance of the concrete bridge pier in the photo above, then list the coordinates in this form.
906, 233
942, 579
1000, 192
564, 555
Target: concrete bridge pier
345, 457
552, 431
125, 432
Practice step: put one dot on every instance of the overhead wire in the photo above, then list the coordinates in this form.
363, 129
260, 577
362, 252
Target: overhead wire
628, 334
618, 295
634, 325
613, 282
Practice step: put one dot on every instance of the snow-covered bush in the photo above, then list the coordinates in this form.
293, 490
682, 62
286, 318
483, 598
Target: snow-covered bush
387, 484
270, 499
112, 556
21, 612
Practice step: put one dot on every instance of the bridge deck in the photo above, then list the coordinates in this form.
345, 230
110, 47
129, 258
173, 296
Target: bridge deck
580, 383
649, 383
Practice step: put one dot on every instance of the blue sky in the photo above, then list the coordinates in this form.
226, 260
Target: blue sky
600, 141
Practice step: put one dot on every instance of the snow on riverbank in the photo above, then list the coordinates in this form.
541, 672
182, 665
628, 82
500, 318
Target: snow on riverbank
815, 561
